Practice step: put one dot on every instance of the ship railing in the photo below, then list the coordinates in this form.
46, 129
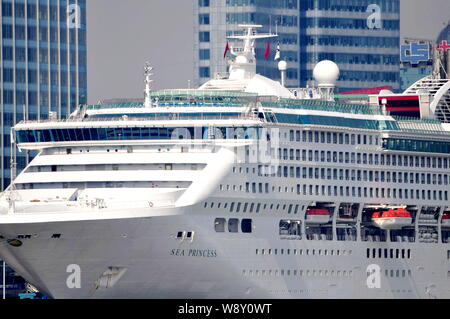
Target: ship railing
173, 117
146, 118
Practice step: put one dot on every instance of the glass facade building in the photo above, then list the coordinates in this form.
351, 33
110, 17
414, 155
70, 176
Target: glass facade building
217, 19
363, 41
344, 31
43, 66
409, 76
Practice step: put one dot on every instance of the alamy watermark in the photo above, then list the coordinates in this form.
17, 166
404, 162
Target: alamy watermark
373, 276
74, 279
73, 16
251, 145
374, 19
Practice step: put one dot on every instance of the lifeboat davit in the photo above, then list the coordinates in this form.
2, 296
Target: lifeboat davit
395, 218
317, 216
446, 219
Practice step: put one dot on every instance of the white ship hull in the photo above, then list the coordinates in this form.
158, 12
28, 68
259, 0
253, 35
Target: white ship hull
161, 266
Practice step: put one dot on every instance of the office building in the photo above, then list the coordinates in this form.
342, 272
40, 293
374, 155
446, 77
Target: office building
361, 36
215, 20
42, 69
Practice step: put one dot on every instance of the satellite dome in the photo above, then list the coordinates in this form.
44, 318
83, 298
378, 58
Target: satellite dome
326, 73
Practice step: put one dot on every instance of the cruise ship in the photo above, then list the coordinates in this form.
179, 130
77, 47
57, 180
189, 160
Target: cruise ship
241, 188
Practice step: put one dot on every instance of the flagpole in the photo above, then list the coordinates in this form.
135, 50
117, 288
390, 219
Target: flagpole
4, 280
270, 24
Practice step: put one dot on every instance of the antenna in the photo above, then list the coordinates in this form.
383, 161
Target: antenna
148, 81
244, 66
270, 23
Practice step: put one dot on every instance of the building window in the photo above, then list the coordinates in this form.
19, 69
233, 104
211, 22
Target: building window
204, 36
204, 72
204, 54
204, 19
203, 3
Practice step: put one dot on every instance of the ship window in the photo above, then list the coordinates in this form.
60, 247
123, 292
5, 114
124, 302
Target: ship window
190, 235
246, 225
233, 225
290, 228
180, 235
219, 225
56, 236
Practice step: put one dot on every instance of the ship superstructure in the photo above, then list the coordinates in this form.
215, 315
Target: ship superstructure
240, 189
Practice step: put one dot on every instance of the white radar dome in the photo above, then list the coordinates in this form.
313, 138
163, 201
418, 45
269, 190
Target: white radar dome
326, 73
282, 65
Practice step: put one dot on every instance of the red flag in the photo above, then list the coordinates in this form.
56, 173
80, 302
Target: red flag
227, 48
267, 54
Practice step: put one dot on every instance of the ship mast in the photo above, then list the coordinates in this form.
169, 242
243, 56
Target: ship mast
244, 66
148, 81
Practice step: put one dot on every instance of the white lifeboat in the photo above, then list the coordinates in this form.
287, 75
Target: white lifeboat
317, 216
396, 218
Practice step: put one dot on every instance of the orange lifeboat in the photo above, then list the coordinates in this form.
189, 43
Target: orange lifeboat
446, 219
394, 218
317, 216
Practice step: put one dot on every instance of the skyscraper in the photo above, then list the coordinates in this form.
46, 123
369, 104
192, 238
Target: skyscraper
43, 66
217, 19
361, 36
